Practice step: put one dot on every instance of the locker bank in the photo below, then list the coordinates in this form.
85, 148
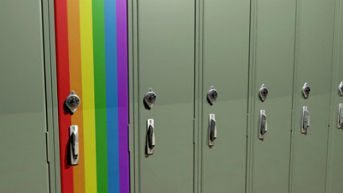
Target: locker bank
161, 96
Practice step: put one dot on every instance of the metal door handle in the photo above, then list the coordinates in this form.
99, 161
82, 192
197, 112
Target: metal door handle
212, 130
150, 137
340, 89
340, 116
263, 128
74, 144
305, 120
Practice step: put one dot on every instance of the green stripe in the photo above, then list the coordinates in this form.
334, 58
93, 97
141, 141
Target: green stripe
100, 94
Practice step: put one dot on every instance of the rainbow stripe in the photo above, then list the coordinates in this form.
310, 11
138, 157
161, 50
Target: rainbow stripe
91, 52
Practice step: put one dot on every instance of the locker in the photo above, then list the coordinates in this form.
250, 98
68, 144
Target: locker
92, 89
313, 63
225, 74
335, 157
272, 48
23, 110
165, 91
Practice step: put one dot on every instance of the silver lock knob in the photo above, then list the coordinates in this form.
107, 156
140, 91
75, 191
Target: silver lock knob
212, 95
72, 102
150, 99
263, 93
340, 89
306, 90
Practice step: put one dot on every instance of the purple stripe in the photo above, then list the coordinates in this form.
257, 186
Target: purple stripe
123, 95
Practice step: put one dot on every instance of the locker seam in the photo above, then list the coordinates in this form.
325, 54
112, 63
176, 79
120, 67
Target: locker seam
252, 88
248, 117
294, 102
334, 76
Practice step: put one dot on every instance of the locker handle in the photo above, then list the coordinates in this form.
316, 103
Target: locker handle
263, 128
340, 116
305, 120
74, 145
212, 130
340, 89
150, 137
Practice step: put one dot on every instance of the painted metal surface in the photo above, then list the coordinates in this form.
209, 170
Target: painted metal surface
164, 44
335, 159
225, 67
313, 64
24, 160
272, 48
89, 62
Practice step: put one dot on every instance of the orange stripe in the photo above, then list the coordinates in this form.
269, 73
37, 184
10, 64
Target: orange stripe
75, 84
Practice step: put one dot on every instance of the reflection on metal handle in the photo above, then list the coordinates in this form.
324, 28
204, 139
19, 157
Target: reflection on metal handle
212, 129
74, 144
305, 120
340, 89
340, 116
150, 137
263, 128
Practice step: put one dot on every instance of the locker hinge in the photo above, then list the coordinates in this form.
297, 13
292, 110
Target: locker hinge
130, 129
194, 131
47, 141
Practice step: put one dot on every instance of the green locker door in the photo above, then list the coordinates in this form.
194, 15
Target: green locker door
313, 63
23, 160
225, 60
335, 165
273, 23
166, 67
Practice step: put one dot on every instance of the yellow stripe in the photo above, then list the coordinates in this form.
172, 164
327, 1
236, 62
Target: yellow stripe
86, 27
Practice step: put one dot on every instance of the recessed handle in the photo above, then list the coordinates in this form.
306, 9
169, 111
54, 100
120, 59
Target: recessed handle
150, 137
340, 89
305, 120
340, 116
212, 130
74, 144
263, 128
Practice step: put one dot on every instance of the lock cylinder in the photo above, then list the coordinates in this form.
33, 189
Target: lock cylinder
263, 93
306, 90
212, 95
150, 99
72, 102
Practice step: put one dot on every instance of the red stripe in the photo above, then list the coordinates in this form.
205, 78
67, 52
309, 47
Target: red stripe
63, 89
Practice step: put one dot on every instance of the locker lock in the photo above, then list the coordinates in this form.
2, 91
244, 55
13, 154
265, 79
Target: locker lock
306, 90
212, 95
340, 89
150, 99
72, 102
263, 92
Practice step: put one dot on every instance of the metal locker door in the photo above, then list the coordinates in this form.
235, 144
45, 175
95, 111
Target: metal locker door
272, 45
335, 164
313, 63
23, 124
225, 76
166, 90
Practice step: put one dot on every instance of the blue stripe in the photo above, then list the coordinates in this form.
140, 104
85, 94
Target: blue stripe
112, 96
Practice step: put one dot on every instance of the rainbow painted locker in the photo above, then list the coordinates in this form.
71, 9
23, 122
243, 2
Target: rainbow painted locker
91, 52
